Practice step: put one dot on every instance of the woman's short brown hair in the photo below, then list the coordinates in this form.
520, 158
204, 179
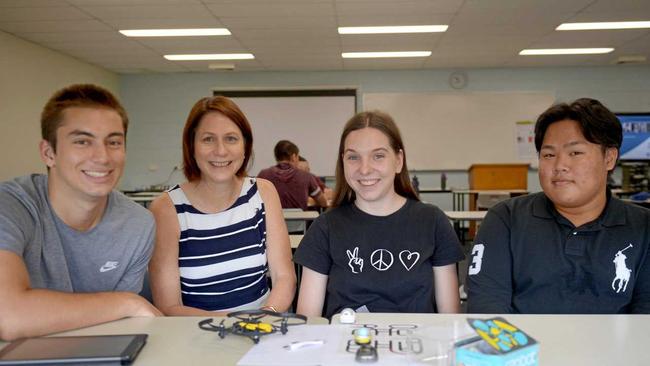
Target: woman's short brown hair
229, 109
343, 193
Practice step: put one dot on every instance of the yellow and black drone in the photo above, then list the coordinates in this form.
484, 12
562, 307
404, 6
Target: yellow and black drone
249, 323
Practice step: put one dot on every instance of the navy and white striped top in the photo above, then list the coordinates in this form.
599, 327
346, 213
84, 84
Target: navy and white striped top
222, 256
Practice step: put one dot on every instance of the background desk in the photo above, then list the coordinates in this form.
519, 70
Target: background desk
433, 190
177, 341
144, 198
459, 196
457, 216
298, 220
295, 239
301, 215
564, 339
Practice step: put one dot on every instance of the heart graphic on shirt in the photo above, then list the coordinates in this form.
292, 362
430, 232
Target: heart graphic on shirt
408, 258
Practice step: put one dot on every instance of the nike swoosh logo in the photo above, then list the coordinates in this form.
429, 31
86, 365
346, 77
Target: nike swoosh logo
109, 266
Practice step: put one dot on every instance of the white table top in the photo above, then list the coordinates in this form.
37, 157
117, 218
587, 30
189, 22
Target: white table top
300, 215
295, 240
177, 341
564, 339
466, 215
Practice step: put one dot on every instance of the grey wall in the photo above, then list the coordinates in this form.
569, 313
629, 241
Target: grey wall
29, 75
158, 104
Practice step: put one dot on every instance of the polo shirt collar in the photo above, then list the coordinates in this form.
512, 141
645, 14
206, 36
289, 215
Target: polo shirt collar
613, 214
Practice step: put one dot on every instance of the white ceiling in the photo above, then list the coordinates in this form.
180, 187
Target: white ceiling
302, 35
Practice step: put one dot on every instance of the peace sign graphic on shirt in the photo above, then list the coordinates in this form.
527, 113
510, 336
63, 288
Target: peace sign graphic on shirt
381, 259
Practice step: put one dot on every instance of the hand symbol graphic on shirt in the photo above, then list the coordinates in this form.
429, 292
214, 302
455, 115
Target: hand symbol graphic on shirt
355, 263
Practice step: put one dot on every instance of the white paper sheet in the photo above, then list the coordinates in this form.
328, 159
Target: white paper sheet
339, 347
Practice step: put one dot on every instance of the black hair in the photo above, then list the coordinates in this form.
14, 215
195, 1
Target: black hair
598, 124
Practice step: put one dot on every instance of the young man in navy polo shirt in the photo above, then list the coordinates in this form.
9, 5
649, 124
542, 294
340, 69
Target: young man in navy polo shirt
572, 248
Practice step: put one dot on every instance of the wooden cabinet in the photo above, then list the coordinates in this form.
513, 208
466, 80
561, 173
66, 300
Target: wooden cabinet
498, 176
493, 177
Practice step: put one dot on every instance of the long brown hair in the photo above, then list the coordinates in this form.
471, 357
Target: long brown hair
229, 109
343, 193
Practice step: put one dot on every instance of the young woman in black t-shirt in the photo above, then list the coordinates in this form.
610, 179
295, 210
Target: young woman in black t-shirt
375, 249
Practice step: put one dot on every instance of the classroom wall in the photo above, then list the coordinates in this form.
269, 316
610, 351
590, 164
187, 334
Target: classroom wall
29, 74
159, 103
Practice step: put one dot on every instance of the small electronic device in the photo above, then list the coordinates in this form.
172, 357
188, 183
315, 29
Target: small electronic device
106, 349
362, 336
366, 354
347, 316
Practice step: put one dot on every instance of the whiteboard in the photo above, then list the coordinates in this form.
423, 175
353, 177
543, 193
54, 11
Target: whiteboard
446, 131
314, 123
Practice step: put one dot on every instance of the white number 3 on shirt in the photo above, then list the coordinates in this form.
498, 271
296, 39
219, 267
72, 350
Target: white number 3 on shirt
477, 259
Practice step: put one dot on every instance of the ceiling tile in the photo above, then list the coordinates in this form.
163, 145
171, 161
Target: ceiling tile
32, 3
148, 11
272, 8
131, 2
609, 6
424, 41
600, 38
509, 7
42, 13
46, 38
377, 64
416, 18
54, 26
285, 22
612, 16
301, 34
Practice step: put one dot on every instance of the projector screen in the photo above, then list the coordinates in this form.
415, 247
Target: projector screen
312, 119
636, 136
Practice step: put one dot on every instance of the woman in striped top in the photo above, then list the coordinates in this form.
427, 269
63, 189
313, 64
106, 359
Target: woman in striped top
220, 233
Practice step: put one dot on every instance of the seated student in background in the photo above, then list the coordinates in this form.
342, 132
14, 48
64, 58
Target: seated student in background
220, 233
73, 252
303, 164
572, 248
379, 249
294, 185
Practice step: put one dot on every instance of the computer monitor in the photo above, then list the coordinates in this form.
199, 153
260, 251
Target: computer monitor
636, 136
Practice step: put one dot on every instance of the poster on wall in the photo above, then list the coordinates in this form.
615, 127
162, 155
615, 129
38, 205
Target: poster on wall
525, 141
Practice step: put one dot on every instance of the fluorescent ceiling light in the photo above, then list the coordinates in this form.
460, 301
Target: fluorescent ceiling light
603, 25
175, 32
213, 56
385, 54
565, 51
394, 29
